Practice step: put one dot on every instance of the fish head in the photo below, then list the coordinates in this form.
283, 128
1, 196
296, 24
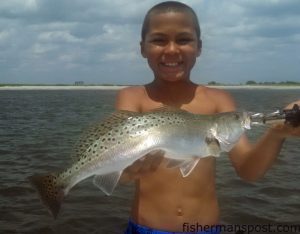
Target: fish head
237, 120
230, 126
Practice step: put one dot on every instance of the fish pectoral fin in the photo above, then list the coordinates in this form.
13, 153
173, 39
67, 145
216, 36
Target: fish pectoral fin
172, 163
213, 146
108, 182
188, 166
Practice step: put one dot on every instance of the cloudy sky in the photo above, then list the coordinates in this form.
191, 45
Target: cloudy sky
97, 41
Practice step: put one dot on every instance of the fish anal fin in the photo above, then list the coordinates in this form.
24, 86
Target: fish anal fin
187, 167
107, 182
213, 146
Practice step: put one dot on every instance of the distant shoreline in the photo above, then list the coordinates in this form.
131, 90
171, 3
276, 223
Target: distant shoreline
62, 87
117, 87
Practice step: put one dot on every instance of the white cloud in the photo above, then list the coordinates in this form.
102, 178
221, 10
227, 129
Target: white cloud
120, 55
59, 38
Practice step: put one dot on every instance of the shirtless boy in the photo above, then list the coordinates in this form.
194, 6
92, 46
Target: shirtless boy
164, 200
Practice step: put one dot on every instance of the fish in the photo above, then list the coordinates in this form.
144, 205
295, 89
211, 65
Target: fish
111, 145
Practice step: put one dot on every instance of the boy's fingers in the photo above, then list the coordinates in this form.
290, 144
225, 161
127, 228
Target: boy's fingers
286, 130
148, 163
156, 162
290, 106
152, 162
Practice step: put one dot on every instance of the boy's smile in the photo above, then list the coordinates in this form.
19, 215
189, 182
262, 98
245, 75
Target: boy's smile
171, 46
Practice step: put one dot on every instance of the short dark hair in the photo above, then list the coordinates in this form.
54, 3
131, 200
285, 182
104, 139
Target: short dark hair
170, 6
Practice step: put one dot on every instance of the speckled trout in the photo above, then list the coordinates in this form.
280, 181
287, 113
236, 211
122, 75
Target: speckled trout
111, 145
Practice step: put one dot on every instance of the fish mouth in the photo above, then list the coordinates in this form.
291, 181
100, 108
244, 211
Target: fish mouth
247, 121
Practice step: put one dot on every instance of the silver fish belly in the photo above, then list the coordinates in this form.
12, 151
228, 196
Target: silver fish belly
110, 146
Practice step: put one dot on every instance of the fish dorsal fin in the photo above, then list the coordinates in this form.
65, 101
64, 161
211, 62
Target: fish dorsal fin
122, 114
187, 167
167, 108
108, 182
98, 129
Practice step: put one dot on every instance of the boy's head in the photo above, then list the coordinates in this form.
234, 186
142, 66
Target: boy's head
170, 6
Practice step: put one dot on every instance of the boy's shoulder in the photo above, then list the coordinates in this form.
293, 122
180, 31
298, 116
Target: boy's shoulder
131, 93
214, 93
132, 90
129, 98
221, 98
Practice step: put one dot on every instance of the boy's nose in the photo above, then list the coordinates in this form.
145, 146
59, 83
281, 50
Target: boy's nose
171, 47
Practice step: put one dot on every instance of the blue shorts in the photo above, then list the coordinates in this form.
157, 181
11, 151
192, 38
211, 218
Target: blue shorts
134, 228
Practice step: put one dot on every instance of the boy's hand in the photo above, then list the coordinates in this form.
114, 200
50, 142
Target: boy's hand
286, 130
149, 163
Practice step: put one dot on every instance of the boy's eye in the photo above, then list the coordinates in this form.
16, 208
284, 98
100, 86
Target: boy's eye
158, 41
183, 41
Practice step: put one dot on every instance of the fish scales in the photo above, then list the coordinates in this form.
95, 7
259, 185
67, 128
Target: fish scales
111, 135
110, 146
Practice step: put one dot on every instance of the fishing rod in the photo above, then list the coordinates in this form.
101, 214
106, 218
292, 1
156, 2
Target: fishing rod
288, 116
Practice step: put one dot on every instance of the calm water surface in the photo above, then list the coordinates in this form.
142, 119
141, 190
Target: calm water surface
39, 128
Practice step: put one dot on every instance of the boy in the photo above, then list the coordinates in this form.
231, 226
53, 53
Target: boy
164, 201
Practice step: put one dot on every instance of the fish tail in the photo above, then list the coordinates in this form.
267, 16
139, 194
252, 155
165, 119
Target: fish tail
50, 191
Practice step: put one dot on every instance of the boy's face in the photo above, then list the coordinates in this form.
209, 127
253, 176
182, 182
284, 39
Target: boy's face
171, 46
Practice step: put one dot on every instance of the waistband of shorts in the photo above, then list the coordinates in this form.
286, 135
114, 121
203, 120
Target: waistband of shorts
134, 228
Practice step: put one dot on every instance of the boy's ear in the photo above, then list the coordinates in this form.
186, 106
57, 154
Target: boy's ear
199, 47
142, 48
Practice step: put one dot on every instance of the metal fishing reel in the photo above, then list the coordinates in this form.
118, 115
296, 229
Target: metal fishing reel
290, 116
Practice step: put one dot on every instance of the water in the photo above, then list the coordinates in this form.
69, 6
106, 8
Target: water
39, 128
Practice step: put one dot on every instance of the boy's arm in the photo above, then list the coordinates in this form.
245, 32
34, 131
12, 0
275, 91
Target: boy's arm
252, 161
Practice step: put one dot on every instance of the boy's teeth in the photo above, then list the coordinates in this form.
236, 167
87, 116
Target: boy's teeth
171, 64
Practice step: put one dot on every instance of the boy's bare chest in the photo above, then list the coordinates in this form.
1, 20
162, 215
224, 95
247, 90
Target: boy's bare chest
196, 106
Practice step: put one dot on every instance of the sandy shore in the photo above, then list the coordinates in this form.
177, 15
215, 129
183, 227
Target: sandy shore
120, 87
46, 87
256, 87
